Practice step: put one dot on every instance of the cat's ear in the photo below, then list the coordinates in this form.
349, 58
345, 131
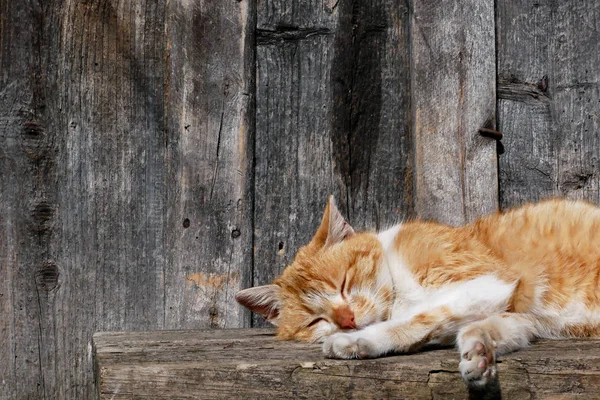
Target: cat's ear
263, 300
333, 228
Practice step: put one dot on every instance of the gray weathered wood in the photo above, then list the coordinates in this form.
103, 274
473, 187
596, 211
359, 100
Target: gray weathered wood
252, 364
332, 118
27, 201
210, 153
453, 95
549, 99
119, 120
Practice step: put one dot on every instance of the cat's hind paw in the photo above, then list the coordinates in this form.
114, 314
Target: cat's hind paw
348, 345
478, 365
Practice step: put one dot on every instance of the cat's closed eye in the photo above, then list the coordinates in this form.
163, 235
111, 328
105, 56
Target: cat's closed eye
343, 287
315, 321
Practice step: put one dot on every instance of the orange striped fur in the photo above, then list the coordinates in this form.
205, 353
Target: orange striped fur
490, 286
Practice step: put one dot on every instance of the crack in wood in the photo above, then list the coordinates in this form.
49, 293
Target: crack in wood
546, 174
214, 179
40, 332
523, 92
288, 34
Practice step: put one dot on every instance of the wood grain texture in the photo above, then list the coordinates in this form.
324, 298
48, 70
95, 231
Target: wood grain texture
210, 153
453, 95
136, 194
332, 118
549, 100
27, 200
251, 364
100, 172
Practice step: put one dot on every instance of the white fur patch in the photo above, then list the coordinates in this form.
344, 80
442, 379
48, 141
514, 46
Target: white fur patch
387, 237
484, 294
322, 329
395, 271
337, 300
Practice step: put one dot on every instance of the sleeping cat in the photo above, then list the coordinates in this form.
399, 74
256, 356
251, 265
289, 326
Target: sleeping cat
490, 287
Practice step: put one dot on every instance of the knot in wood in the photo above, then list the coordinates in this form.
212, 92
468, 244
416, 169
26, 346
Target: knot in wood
33, 129
46, 277
42, 214
34, 140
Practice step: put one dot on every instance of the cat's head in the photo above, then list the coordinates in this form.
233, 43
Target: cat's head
332, 285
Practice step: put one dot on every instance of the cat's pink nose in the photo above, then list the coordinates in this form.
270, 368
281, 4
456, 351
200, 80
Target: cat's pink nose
344, 317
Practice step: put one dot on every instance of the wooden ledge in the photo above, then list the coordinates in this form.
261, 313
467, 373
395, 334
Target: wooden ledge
250, 363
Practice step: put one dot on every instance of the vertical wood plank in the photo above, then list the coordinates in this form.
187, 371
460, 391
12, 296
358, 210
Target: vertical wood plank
371, 112
210, 155
27, 160
549, 100
332, 118
110, 223
109, 121
294, 163
453, 94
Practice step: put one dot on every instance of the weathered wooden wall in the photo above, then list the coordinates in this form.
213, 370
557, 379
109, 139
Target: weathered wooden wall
157, 156
126, 172
453, 91
549, 99
338, 111
332, 116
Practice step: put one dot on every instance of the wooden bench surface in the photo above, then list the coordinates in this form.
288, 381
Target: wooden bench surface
252, 364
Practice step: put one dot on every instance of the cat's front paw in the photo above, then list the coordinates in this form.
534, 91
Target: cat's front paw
348, 345
478, 364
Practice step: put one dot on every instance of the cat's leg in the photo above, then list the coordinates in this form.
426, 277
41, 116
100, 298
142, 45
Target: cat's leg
399, 336
449, 309
480, 341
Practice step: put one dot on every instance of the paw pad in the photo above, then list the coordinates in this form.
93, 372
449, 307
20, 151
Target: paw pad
478, 365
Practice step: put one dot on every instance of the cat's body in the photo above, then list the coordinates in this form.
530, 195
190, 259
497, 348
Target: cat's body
490, 287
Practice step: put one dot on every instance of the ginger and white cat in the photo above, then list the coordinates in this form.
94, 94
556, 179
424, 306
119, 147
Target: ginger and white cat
490, 287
